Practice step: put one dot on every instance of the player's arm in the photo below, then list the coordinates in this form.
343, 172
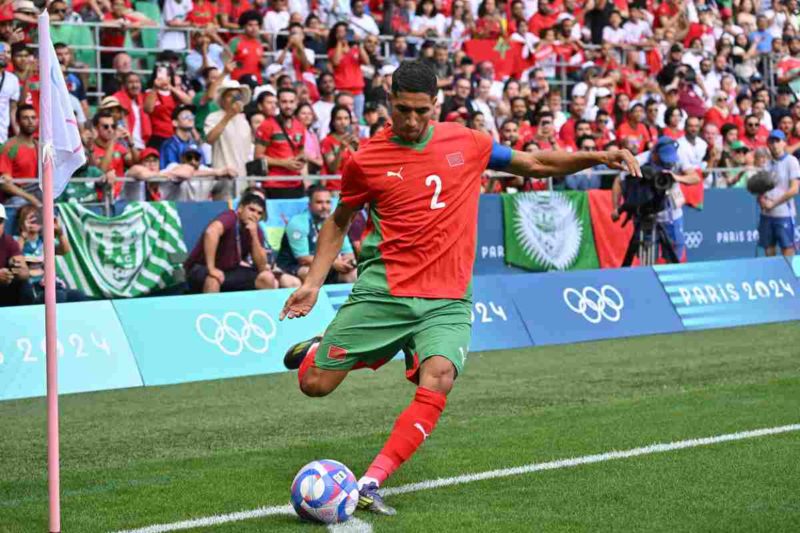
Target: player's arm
329, 243
543, 164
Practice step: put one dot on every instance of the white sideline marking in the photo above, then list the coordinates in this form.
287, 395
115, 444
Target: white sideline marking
359, 526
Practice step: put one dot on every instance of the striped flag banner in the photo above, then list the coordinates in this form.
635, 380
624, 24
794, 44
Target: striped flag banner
132, 254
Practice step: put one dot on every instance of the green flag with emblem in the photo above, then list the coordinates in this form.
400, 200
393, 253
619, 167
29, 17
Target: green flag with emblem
549, 231
128, 255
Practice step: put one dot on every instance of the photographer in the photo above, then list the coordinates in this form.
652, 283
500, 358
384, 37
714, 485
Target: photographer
776, 227
299, 244
14, 286
667, 206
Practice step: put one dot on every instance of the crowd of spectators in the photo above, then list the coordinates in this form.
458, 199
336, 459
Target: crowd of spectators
280, 90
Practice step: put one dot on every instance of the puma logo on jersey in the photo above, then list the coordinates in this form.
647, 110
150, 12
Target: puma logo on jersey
397, 174
422, 430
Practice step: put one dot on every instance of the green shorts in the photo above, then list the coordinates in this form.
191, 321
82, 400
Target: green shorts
371, 328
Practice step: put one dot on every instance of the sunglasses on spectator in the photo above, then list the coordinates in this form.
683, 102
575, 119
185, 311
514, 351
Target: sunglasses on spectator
752, 124
59, 12
192, 157
107, 126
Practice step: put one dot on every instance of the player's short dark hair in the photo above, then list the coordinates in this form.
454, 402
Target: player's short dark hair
247, 16
251, 198
314, 189
414, 77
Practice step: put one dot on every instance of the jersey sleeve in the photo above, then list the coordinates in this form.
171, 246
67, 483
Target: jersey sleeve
264, 133
355, 192
483, 147
297, 235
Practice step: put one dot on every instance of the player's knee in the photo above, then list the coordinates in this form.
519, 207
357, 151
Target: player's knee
314, 385
438, 374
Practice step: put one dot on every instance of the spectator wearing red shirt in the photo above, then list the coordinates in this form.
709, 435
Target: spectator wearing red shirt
719, 114
672, 119
545, 18
490, 23
280, 140
203, 13
109, 150
633, 133
247, 50
667, 14
576, 109
160, 101
346, 61
338, 145
545, 136
116, 23
19, 158
755, 135
131, 99
602, 132
25, 67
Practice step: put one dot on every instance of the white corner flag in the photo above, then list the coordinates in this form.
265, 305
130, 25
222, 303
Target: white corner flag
59, 135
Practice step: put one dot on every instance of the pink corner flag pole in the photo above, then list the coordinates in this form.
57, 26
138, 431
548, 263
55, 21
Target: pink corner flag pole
46, 158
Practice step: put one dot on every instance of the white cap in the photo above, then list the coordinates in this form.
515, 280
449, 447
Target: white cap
602, 92
274, 69
387, 70
2, 212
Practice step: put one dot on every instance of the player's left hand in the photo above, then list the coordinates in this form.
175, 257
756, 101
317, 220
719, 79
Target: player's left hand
300, 303
624, 160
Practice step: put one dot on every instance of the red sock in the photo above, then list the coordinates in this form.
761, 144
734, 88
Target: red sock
410, 430
308, 362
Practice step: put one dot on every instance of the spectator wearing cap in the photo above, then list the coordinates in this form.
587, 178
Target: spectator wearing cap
776, 227
19, 158
15, 288
185, 135
247, 49
346, 60
230, 255
189, 179
228, 133
113, 106
362, 23
131, 98
160, 103
112, 147
146, 169
9, 95
664, 156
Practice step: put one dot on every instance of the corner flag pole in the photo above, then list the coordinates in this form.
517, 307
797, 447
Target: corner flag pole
46, 158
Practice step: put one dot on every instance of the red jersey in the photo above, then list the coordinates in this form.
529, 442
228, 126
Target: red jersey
117, 162
332, 144
347, 74
423, 202
202, 14
638, 139
247, 55
19, 160
161, 115
278, 146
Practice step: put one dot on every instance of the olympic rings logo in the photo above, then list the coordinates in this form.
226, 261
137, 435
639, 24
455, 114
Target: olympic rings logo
693, 239
233, 333
595, 305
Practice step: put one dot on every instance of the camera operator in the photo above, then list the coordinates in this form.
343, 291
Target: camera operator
663, 158
776, 226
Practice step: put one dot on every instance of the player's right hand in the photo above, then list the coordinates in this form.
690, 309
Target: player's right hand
300, 303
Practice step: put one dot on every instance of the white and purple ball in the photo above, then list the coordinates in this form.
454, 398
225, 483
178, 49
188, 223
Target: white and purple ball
325, 491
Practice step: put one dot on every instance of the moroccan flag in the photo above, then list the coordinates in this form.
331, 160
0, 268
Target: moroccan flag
129, 255
610, 238
694, 194
549, 231
506, 56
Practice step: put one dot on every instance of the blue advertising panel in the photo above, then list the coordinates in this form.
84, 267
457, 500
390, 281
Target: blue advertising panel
490, 254
588, 305
211, 336
93, 353
496, 323
719, 294
726, 227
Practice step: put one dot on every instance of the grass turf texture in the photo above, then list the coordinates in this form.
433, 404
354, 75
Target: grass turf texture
144, 456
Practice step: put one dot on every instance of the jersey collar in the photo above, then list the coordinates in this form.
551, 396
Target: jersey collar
418, 146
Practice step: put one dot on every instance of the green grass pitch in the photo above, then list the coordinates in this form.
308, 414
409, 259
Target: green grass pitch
138, 457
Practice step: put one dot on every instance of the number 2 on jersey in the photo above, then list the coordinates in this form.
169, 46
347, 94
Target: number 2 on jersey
437, 182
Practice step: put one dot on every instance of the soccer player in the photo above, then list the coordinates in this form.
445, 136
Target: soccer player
421, 181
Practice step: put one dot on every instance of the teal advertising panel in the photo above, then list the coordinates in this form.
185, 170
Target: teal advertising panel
719, 294
212, 336
93, 353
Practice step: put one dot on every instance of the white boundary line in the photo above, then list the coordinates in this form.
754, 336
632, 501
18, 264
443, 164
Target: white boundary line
361, 526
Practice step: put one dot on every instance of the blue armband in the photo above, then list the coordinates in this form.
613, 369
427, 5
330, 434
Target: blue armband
501, 156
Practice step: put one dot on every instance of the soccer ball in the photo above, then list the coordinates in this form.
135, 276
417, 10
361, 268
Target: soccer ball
325, 491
